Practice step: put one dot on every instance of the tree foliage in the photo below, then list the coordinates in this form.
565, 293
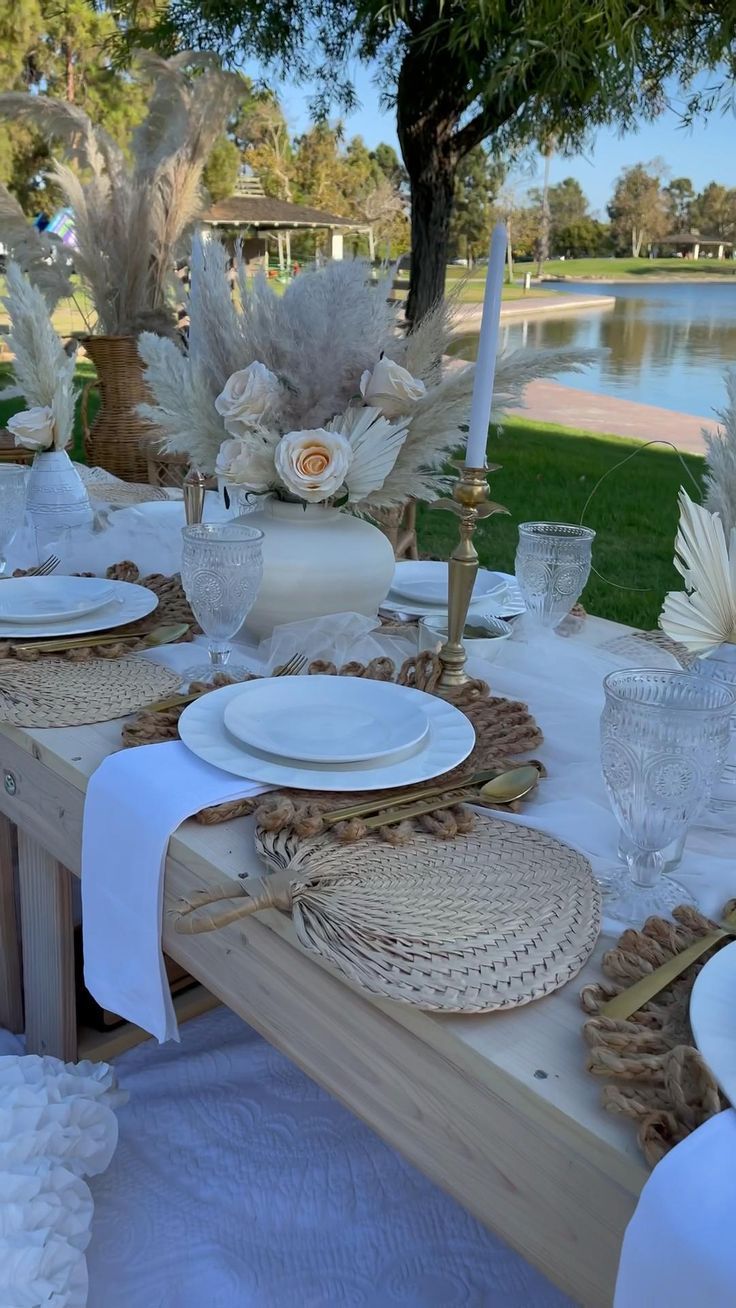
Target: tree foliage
478, 180
464, 71
221, 170
638, 209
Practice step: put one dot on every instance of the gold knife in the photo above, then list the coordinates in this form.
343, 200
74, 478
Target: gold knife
629, 1001
161, 635
511, 785
415, 794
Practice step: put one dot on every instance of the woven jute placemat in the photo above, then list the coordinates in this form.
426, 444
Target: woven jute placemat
471, 925
504, 729
172, 608
655, 1074
55, 693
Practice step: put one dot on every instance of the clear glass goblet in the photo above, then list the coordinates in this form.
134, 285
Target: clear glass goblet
12, 506
221, 570
663, 741
552, 567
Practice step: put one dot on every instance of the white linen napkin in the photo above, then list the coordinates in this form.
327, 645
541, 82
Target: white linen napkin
135, 801
679, 1249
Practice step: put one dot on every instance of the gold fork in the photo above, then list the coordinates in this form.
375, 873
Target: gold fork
44, 569
291, 668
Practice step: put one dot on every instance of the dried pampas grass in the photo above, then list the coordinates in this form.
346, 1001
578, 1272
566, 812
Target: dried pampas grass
720, 459
43, 370
318, 338
130, 218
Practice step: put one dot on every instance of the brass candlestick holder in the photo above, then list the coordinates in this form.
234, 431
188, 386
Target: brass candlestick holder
470, 502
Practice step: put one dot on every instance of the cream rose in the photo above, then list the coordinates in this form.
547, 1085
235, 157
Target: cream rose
391, 388
247, 463
248, 395
313, 464
33, 428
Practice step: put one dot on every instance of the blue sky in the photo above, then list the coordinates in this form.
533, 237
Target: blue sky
704, 152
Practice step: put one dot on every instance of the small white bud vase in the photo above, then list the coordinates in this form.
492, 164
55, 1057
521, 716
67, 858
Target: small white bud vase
317, 560
56, 496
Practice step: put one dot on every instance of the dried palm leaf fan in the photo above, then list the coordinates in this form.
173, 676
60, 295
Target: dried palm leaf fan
130, 219
482, 922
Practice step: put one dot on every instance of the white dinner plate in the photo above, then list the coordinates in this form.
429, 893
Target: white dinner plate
713, 1017
324, 719
51, 599
506, 603
449, 740
128, 603
425, 582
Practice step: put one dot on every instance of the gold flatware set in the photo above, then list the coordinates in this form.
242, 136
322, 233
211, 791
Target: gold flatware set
629, 1001
163, 634
496, 787
292, 668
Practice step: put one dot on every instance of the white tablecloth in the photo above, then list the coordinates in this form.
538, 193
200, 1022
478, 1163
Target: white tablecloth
679, 1250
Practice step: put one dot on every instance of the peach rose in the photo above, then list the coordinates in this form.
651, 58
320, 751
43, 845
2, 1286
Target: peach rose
313, 464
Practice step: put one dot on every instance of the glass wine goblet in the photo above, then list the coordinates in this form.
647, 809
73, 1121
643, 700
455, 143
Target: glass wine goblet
664, 737
221, 570
553, 562
12, 506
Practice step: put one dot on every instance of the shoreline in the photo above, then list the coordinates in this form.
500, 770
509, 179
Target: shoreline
640, 279
565, 406
469, 315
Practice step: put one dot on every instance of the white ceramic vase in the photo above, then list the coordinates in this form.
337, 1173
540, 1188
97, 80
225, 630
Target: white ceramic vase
56, 496
317, 560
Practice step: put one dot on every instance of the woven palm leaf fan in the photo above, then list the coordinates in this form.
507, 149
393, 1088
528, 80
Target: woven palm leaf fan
481, 922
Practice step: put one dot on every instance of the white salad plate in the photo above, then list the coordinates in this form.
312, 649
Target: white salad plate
326, 719
504, 602
425, 582
52, 599
713, 1017
449, 740
127, 603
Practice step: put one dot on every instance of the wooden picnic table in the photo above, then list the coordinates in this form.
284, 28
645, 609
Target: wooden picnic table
497, 1109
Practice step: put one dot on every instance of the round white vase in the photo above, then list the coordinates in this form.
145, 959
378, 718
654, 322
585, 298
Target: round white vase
317, 560
56, 496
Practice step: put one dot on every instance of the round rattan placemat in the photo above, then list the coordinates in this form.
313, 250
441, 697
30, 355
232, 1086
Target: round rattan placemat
56, 693
469, 925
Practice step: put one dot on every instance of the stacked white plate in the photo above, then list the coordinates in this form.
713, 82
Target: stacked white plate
32, 607
419, 590
327, 733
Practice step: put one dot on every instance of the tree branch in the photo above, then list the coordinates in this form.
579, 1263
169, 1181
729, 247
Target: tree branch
486, 122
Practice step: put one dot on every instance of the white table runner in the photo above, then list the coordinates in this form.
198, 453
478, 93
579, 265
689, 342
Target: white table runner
135, 801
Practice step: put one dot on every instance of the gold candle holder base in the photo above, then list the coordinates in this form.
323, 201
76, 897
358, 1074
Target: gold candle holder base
470, 502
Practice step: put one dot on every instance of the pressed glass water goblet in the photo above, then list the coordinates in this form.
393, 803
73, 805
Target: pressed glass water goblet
221, 570
12, 506
552, 567
663, 741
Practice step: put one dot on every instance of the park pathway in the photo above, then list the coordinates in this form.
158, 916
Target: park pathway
549, 401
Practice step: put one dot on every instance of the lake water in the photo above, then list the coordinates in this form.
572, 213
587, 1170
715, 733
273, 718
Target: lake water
667, 344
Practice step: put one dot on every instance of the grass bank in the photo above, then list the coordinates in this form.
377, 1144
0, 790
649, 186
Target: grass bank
548, 473
614, 270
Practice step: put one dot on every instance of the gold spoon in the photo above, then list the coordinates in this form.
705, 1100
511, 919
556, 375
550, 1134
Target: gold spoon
503, 789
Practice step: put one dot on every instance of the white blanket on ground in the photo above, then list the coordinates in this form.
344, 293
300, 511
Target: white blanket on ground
238, 1183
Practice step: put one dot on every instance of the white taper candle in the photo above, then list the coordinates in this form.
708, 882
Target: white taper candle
485, 367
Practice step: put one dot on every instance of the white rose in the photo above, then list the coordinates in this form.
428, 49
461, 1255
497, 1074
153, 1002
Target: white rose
391, 388
247, 463
33, 428
313, 464
247, 396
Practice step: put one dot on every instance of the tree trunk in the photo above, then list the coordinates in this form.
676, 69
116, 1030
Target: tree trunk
425, 123
371, 245
509, 251
637, 236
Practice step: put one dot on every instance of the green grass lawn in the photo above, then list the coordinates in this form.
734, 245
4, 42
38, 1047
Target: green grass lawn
548, 473
611, 269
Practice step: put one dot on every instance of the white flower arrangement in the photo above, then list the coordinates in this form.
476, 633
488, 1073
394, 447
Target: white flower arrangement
44, 372
318, 394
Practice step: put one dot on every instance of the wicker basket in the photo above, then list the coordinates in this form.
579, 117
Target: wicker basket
118, 438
